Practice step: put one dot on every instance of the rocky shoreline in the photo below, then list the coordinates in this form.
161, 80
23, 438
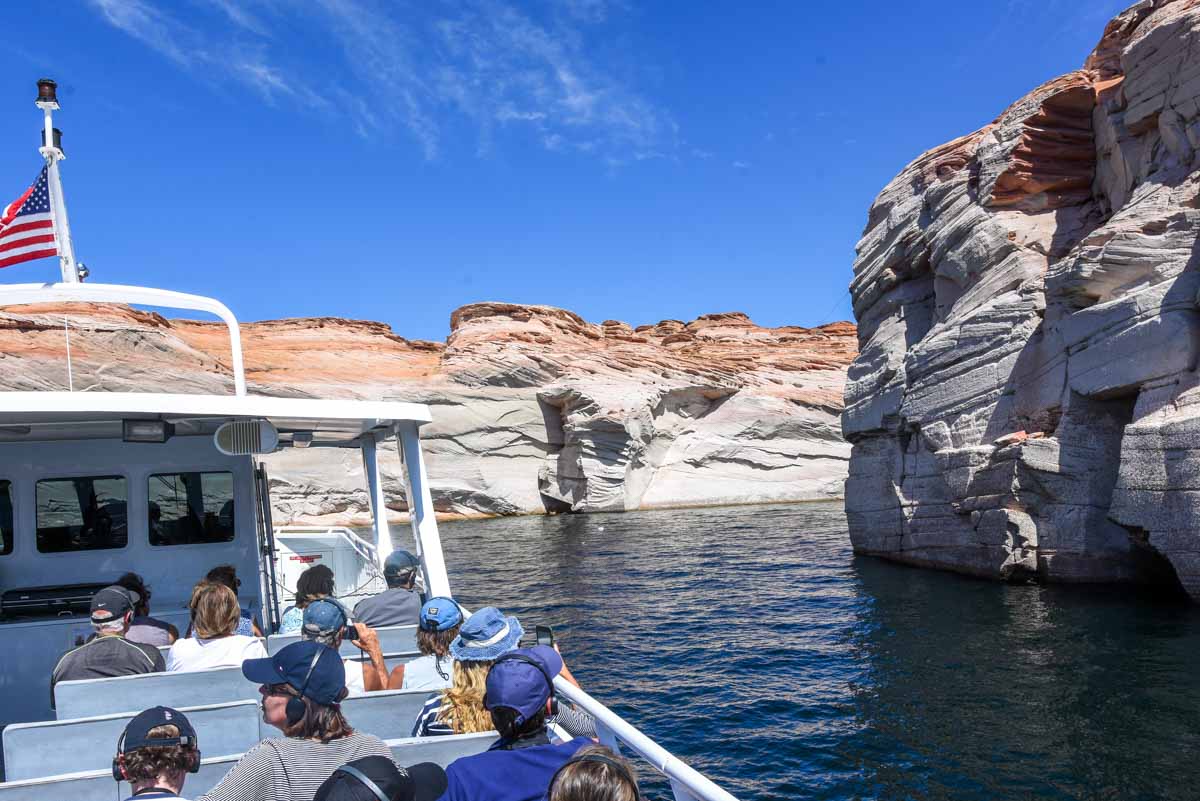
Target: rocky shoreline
535, 409
1026, 403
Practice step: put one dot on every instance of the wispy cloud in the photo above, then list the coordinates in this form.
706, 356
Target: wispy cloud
423, 69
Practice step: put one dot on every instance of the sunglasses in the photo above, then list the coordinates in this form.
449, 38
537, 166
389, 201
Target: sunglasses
276, 689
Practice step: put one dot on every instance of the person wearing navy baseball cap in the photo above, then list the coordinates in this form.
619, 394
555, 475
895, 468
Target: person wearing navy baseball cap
400, 603
302, 688
156, 752
520, 765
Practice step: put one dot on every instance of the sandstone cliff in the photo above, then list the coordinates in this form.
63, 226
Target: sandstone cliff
1026, 400
534, 408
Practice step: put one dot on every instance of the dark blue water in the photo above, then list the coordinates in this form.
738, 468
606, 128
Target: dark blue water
751, 642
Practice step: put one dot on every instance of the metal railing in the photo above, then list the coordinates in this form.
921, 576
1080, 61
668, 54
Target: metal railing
15, 294
363, 548
687, 783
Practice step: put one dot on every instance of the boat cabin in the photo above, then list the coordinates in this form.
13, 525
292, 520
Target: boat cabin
93, 485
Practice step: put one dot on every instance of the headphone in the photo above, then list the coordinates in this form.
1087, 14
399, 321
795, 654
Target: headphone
295, 705
364, 780
192, 743
621, 770
515, 657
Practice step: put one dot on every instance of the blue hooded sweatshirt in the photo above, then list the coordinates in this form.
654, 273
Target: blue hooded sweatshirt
504, 774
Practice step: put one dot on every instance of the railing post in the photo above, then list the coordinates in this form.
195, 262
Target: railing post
608, 737
681, 793
420, 510
378, 502
687, 783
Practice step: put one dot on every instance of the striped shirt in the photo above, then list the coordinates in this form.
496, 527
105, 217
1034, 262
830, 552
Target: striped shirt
574, 721
291, 769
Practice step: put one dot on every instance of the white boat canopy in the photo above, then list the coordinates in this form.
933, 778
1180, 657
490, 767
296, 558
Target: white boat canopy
42, 416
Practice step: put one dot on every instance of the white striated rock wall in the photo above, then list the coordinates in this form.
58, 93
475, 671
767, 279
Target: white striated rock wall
534, 409
1026, 390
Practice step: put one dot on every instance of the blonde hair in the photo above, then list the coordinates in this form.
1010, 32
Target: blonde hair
215, 610
462, 703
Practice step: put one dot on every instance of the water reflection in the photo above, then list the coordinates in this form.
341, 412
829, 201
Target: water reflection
752, 643
982, 690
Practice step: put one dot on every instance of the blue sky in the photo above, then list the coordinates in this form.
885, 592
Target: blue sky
392, 161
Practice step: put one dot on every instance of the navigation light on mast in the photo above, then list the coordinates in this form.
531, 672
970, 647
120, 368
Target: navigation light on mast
51, 150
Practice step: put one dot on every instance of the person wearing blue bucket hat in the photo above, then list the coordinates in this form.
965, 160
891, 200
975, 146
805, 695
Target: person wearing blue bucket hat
520, 765
302, 687
484, 636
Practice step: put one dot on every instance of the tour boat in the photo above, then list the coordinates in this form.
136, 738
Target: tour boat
95, 484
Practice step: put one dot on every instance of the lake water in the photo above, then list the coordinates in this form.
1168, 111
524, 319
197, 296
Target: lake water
753, 643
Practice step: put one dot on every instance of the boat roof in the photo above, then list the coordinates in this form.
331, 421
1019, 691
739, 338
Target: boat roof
33, 416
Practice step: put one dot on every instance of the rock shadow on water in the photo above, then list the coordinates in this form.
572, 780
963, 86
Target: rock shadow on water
982, 690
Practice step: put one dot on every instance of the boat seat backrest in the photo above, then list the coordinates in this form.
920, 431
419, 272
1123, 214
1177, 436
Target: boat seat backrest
46, 748
98, 785
386, 714
441, 750
91, 697
393, 641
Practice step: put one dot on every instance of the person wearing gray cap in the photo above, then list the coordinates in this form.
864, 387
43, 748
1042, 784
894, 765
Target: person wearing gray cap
107, 653
400, 603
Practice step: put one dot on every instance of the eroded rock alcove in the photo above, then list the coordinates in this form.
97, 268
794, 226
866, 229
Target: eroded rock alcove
535, 409
1026, 402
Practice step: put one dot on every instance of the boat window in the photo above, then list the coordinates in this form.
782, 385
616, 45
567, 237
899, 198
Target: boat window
190, 508
81, 514
6, 518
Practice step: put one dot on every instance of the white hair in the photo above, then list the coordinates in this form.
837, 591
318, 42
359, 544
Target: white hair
326, 638
114, 625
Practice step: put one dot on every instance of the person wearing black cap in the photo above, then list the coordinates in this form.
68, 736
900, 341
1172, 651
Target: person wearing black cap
378, 779
400, 603
302, 687
108, 653
156, 752
520, 765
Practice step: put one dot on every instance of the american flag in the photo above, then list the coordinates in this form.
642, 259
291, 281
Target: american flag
26, 227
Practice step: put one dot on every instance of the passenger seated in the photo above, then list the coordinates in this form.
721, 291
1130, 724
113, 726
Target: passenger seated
400, 603
108, 653
459, 709
156, 752
227, 575
520, 765
595, 773
315, 582
423, 782
145, 629
214, 642
302, 687
325, 621
440, 620
483, 638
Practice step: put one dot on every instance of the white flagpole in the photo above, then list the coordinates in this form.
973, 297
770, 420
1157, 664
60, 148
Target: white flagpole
48, 102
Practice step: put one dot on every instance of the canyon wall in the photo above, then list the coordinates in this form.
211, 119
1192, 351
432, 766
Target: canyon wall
1026, 403
535, 410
